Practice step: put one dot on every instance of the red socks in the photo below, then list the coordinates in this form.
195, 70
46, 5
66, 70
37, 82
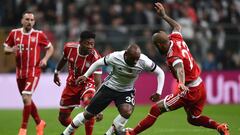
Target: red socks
89, 126
149, 120
64, 116
203, 121
25, 116
34, 113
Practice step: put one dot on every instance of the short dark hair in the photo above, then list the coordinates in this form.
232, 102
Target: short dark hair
86, 35
27, 12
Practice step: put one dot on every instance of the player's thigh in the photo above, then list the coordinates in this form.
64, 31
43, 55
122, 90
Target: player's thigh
125, 100
87, 97
101, 100
196, 107
172, 102
27, 85
70, 97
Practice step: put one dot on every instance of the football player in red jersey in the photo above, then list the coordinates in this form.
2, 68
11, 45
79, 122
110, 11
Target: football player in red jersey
79, 56
191, 91
26, 44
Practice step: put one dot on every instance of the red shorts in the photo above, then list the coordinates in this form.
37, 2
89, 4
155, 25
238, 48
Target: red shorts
27, 85
192, 101
72, 95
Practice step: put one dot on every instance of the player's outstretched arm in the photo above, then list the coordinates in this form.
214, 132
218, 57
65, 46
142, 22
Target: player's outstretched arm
160, 78
161, 12
59, 67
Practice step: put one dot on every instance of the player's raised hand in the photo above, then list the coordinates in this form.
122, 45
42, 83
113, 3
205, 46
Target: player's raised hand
155, 97
56, 79
81, 79
160, 9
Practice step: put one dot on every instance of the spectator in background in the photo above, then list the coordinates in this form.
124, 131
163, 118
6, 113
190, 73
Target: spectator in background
26, 44
209, 63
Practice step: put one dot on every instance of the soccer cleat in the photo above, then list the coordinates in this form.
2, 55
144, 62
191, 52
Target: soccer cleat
40, 127
223, 129
22, 131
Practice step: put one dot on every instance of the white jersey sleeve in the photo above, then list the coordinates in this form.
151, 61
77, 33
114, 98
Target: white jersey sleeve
147, 63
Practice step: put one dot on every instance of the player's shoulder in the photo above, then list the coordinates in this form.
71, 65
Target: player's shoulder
71, 45
117, 53
143, 57
37, 31
15, 30
176, 35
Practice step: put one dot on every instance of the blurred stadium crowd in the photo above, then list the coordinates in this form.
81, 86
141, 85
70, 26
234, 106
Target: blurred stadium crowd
211, 28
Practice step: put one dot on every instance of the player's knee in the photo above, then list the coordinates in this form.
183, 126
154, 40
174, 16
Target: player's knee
155, 110
26, 99
63, 118
87, 98
192, 121
126, 112
63, 121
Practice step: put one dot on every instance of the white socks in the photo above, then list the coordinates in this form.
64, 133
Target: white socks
118, 123
77, 121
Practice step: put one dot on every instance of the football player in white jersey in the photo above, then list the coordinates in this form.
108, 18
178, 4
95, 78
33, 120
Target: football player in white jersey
118, 87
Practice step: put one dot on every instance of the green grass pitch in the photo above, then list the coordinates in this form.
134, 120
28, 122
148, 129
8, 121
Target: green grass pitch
172, 123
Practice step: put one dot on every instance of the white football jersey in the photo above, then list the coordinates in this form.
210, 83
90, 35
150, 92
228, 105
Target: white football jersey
122, 76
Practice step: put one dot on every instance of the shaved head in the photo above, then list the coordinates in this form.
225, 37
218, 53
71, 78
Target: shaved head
132, 54
161, 41
160, 37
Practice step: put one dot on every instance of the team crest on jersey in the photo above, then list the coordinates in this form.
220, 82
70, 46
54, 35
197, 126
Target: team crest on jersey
33, 39
71, 59
87, 64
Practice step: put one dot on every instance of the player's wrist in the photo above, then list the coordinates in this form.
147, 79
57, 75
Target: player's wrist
56, 71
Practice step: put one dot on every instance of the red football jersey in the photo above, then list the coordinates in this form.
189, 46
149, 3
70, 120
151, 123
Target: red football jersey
28, 53
179, 52
79, 64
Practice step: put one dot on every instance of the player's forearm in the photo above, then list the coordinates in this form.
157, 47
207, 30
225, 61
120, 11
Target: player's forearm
160, 79
97, 80
61, 64
180, 73
8, 50
94, 67
174, 24
49, 53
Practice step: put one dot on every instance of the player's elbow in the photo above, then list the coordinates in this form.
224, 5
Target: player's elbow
7, 52
178, 27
